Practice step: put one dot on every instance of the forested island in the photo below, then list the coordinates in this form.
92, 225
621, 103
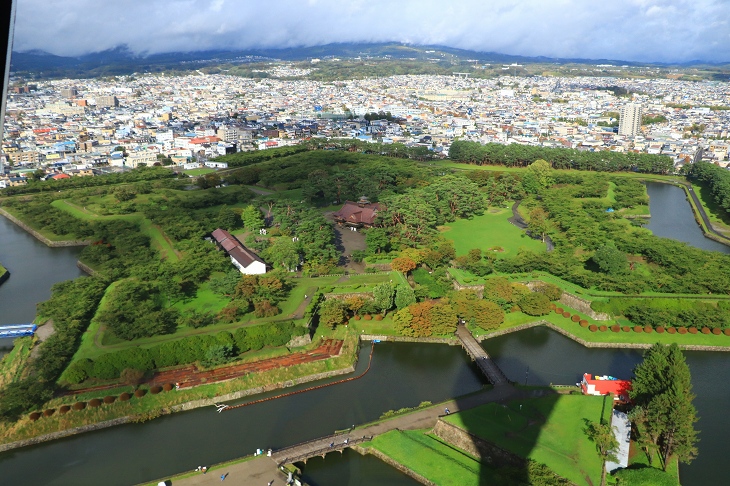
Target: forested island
460, 240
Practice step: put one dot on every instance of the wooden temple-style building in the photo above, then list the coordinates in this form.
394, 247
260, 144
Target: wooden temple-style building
360, 214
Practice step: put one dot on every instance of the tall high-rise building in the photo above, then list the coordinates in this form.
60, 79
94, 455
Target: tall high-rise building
630, 122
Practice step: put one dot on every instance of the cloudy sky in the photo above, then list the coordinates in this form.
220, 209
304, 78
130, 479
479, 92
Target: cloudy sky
634, 30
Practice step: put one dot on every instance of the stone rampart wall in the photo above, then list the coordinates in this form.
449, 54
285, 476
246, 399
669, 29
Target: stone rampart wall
485, 451
40, 237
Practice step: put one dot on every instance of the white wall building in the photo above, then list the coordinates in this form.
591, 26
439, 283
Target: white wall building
630, 122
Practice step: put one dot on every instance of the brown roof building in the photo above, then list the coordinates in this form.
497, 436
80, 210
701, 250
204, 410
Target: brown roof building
244, 259
358, 214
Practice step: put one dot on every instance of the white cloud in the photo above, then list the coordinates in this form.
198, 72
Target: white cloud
659, 30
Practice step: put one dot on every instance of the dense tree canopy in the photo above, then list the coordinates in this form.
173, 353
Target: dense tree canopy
662, 396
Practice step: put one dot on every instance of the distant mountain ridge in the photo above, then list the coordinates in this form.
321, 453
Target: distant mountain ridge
121, 60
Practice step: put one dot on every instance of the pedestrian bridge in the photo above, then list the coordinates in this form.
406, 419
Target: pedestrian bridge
17, 330
317, 447
477, 353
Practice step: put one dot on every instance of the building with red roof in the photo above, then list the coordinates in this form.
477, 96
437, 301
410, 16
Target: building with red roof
605, 385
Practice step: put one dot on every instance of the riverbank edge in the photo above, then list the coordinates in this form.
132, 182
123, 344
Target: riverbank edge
701, 218
182, 407
4, 274
393, 463
590, 344
40, 237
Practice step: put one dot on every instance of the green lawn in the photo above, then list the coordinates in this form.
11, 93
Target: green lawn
548, 430
427, 456
490, 230
199, 172
205, 301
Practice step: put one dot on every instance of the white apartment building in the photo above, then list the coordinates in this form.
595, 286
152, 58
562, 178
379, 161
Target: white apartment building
630, 122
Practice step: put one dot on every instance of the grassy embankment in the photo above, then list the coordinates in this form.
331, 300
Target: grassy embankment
548, 430
13, 363
151, 406
719, 218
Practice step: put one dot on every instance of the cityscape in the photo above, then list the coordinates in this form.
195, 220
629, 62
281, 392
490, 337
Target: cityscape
73, 126
365, 243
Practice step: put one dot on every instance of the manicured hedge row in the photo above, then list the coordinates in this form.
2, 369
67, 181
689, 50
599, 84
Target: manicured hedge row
659, 329
96, 402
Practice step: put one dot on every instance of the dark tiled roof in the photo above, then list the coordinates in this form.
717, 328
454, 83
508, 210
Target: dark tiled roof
355, 213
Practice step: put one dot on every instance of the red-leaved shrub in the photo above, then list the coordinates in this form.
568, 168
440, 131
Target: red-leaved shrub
638, 329
648, 329
716, 331
124, 397
552, 306
63, 409
559, 310
379, 317
167, 386
727, 331
575, 318
139, 393
109, 399
593, 328
357, 318
48, 412
659, 329
626, 328
706, 330
672, 330
34, 416
615, 328
566, 314
603, 328
94, 402
79, 405
583, 323
692, 330
682, 330
367, 317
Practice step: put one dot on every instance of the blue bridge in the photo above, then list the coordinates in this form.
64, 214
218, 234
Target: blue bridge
17, 330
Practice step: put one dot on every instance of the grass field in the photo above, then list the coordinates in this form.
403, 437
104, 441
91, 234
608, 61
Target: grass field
198, 172
548, 430
490, 230
427, 456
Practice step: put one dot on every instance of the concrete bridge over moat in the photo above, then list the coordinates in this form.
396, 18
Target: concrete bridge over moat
265, 468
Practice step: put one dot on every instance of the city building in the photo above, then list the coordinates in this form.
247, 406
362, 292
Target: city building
630, 121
